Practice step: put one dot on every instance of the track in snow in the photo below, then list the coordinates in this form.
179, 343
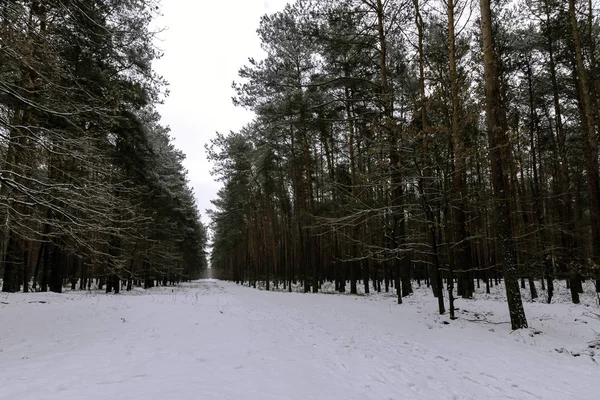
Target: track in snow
216, 340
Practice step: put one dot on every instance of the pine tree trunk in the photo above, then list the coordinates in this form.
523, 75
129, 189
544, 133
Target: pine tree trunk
38, 263
434, 270
499, 155
450, 286
532, 288
366, 277
116, 284
10, 282
461, 244
353, 277
590, 140
397, 281
56, 271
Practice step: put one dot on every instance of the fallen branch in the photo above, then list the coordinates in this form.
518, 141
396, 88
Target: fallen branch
483, 320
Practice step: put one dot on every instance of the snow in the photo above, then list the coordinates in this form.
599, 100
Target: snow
215, 340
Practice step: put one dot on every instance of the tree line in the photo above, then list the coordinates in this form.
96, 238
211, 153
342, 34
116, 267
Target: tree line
92, 189
397, 140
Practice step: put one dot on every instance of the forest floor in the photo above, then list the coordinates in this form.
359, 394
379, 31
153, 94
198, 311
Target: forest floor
215, 340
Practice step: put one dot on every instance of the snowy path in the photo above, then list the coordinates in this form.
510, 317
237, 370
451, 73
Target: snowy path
216, 340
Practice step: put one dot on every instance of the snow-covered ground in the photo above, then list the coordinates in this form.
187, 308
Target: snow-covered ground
215, 340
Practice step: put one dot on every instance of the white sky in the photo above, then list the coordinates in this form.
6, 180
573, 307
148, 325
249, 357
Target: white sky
205, 44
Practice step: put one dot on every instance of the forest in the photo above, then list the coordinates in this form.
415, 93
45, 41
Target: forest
93, 193
449, 142
408, 200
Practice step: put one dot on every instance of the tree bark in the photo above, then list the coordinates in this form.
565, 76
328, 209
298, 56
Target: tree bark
590, 140
462, 247
499, 156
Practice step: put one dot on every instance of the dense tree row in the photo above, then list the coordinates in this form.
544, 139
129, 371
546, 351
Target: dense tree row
416, 139
91, 186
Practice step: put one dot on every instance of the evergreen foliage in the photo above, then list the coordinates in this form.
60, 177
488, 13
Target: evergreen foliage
91, 186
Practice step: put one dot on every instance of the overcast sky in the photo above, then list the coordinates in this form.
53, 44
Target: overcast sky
205, 43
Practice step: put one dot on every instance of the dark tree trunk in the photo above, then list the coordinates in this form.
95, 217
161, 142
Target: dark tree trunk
397, 281
10, 283
38, 263
550, 289
461, 244
499, 155
590, 140
366, 275
451, 293
45, 268
56, 271
532, 288
25, 270
574, 290
353, 273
